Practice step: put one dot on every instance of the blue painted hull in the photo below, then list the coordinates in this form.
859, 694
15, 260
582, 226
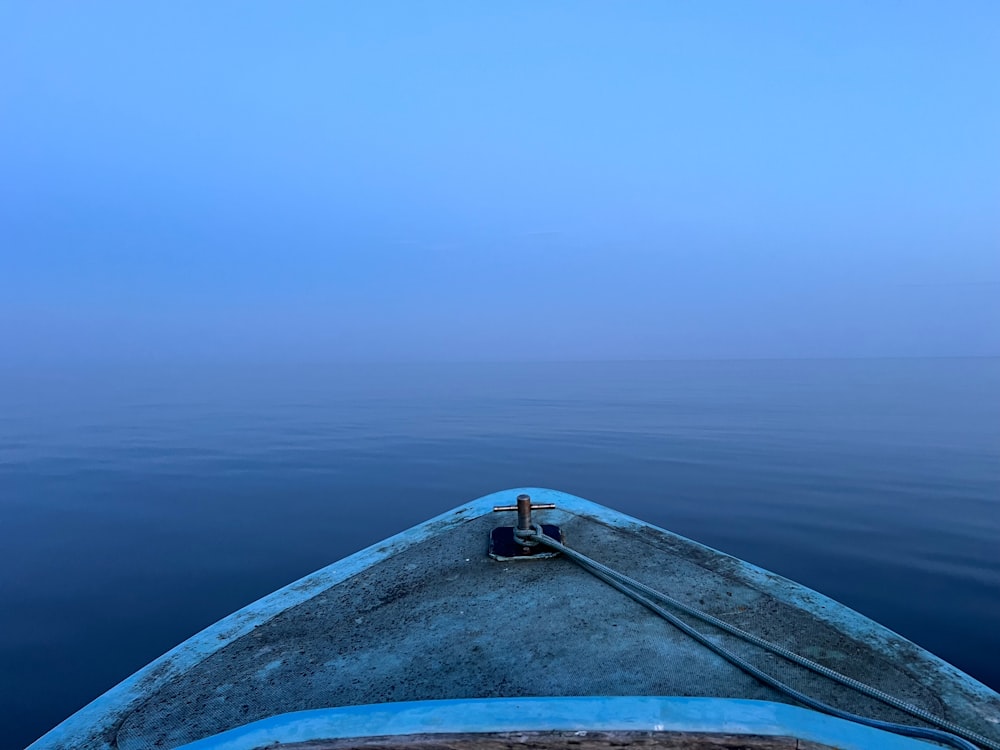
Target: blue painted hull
705, 698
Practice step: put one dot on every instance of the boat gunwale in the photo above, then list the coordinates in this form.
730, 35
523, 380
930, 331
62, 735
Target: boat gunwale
582, 714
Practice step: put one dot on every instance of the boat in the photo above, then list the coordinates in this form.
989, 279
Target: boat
532, 618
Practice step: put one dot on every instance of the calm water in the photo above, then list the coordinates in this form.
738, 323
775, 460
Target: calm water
138, 506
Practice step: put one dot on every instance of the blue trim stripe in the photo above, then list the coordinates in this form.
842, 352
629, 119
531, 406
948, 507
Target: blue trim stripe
582, 714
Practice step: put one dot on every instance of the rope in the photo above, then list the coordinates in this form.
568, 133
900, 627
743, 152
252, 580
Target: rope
955, 736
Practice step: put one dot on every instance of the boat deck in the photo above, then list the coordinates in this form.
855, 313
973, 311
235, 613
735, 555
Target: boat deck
428, 615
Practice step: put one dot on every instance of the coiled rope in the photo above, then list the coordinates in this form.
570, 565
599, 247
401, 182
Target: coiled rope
954, 734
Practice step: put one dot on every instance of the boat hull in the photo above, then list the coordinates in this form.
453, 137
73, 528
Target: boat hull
428, 616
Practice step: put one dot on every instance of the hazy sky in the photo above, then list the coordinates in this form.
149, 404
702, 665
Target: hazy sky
502, 180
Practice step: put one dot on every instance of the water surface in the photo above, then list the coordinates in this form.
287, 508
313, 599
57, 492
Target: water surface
138, 505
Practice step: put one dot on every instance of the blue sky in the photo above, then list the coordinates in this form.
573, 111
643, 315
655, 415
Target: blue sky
408, 181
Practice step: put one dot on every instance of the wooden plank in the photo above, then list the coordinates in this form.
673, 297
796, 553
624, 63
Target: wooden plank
564, 741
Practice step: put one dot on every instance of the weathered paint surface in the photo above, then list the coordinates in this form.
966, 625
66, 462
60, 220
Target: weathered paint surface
588, 714
306, 644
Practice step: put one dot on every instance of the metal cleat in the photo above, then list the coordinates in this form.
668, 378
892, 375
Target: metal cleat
517, 542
